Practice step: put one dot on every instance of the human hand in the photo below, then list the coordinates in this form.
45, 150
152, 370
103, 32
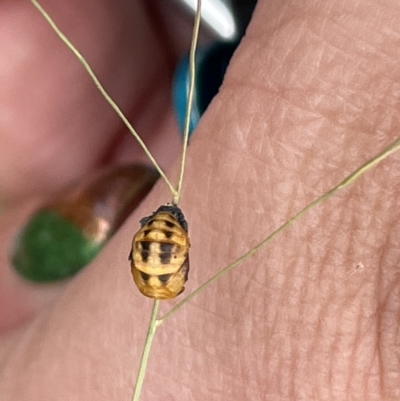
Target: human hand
309, 96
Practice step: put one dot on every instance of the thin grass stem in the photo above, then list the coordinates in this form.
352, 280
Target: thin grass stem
151, 331
393, 147
189, 105
104, 93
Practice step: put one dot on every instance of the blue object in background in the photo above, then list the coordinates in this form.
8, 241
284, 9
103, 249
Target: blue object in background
211, 64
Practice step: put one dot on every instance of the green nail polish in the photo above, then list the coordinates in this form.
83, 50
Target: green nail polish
63, 237
51, 248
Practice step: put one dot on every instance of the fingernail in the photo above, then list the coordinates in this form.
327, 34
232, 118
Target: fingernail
64, 236
211, 64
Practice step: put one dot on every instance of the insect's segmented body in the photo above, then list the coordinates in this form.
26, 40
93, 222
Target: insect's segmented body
160, 253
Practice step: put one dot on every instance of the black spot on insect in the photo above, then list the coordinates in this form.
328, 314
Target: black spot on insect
168, 234
145, 245
165, 258
145, 256
166, 247
164, 278
165, 254
146, 232
130, 256
144, 276
169, 224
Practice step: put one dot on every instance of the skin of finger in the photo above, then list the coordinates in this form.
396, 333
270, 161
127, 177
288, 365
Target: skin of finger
66, 131
309, 96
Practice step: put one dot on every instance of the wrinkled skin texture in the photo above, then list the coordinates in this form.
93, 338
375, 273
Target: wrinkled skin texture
311, 93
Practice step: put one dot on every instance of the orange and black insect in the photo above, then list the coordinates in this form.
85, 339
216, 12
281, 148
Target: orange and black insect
160, 253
